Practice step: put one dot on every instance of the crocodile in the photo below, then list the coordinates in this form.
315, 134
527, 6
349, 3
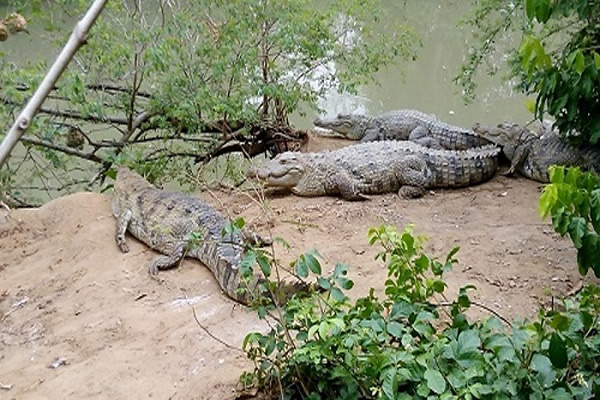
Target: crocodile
178, 225
353, 172
531, 154
413, 125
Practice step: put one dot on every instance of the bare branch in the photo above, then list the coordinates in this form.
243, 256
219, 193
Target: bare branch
63, 149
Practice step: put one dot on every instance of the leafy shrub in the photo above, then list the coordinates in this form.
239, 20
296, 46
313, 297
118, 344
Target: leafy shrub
573, 200
409, 346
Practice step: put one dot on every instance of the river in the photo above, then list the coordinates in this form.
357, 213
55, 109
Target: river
427, 83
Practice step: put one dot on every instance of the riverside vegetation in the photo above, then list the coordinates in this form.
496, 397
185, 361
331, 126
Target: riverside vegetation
414, 343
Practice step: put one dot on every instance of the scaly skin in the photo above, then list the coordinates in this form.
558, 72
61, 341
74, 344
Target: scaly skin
531, 155
412, 125
165, 221
377, 167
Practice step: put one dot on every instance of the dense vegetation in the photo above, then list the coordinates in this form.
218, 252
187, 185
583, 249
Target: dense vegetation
415, 344
171, 84
557, 60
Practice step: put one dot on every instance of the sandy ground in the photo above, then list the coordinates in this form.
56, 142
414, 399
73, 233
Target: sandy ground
68, 294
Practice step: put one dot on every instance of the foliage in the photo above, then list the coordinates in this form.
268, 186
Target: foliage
558, 58
171, 83
408, 346
573, 200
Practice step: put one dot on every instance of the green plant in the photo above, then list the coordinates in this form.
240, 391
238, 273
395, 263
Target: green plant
171, 84
410, 346
573, 200
558, 58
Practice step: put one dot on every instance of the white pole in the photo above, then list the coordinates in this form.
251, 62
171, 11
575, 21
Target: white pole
78, 37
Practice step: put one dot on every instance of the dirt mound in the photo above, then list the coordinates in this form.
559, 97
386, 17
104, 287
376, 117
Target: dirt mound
66, 291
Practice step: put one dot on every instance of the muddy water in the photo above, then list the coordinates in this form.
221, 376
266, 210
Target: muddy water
427, 83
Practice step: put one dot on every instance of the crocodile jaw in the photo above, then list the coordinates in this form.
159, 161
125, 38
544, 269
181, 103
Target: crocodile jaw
282, 171
506, 135
349, 126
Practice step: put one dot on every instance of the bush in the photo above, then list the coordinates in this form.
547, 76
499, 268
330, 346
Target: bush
573, 200
407, 345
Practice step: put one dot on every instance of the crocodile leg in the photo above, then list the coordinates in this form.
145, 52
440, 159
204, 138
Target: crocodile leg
347, 187
122, 222
176, 251
411, 172
519, 157
173, 241
371, 135
422, 136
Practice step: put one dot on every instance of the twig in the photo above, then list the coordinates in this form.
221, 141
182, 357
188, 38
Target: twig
488, 309
213, 336
63, 149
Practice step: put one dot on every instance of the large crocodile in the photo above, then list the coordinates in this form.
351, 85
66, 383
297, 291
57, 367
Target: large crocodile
169, 222
531, 154
377, 167
413, 125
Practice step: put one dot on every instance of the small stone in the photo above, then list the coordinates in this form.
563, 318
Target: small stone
58, 362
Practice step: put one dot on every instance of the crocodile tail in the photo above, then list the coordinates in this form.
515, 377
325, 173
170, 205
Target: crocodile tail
451, 169
592, 159
224, 259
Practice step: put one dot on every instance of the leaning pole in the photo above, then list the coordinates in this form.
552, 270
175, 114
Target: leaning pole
78, 37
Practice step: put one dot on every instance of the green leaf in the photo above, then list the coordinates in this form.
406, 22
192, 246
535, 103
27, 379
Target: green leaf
301, 269
579, 62
468, 341
530, 7
395, 329
577, 230
556, 173
323, 283
530, 105
548, 199
597, 60
263, 262
587, 255
557, 351
451, 254
312, 263
111, 173
337, 294
345, 283
561, 220
390, 383
543, 366
558, 394
543, 10
595, 209
560, 322
435, 381
324, 329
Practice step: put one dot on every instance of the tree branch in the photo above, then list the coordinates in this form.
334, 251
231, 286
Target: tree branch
63, 149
